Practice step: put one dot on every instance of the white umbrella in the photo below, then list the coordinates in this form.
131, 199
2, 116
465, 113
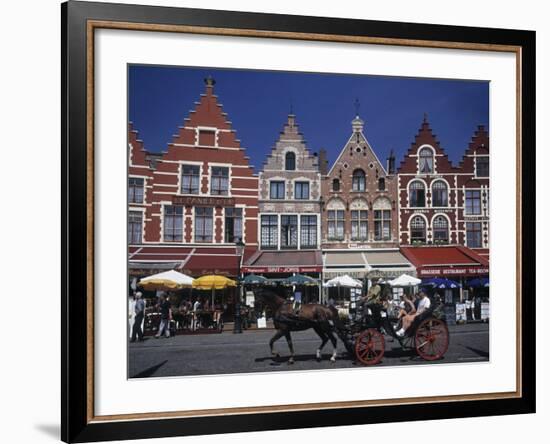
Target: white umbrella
343, 281
405, 281
167, 280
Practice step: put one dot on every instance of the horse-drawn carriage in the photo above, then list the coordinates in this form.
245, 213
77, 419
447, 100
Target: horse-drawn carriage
364, 333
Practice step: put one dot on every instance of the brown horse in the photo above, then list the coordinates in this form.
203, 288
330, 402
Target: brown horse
320, 318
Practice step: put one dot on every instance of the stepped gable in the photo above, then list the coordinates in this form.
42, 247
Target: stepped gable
425, 136
206, 126
479, 145
137, 153
291, 137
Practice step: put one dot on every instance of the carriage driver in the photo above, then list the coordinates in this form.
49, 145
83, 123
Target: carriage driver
374, 299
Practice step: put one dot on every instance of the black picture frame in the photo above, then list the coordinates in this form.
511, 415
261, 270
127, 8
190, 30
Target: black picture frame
77, 320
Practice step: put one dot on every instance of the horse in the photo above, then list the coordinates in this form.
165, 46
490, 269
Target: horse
322, 319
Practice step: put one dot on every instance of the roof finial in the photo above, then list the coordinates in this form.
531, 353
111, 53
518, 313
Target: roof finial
357, 106
209, 81
425, 117
291, 106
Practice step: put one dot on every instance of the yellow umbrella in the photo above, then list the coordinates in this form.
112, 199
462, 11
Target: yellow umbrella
213, 282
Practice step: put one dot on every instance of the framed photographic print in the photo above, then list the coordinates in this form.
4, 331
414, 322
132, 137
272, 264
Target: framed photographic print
277, 221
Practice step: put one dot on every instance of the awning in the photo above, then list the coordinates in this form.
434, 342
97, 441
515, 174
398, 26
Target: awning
388, 263
212, 262
446, 261
193, 261
296, 261
148, 266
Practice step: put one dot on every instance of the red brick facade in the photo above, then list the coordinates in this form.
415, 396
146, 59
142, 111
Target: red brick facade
360, 198
201, 192
441, 203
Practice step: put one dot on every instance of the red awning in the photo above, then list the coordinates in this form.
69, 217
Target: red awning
447, 261
295, 261
193, 261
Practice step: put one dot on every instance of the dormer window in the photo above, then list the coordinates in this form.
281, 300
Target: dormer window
290, 161
426, 161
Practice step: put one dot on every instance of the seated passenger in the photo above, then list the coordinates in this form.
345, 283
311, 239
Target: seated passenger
423, 305
405, 307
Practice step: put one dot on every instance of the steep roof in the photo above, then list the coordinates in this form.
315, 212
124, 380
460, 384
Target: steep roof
291, 137
426, 136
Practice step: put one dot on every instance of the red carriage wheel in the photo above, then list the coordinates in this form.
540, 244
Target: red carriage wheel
370, 347
432, 339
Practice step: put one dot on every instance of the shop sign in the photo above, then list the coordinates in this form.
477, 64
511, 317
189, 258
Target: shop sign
312, 269
203, 201
451, 271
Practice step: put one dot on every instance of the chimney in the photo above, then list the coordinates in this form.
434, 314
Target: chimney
209, 82
391, 163
323, 162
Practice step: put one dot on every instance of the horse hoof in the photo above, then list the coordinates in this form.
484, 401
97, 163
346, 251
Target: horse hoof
333, 360
318, 358
290, 361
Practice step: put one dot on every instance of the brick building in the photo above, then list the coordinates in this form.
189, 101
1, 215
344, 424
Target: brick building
289, 209
196, 200
360, 213
440, 203
474, 188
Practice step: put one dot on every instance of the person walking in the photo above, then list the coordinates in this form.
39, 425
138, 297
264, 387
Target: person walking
139, 310
165, 315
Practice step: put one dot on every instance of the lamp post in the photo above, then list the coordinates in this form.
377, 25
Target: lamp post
239, 251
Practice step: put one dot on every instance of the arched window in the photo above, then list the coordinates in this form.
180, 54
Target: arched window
439, 194
358, 180
290, 161
417, 194
418, 230
426, 161
381, 184
441, 230
335, 184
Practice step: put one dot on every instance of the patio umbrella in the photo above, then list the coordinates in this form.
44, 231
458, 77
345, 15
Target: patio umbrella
167, 280
441, 283
299, 279
213, 282
405, 281
254, 279
343, 281
478, 282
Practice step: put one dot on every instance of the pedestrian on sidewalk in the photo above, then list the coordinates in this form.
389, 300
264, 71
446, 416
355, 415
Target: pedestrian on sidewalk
165, 316
139, 310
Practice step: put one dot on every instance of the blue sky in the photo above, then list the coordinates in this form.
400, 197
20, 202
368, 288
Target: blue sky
258, 102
